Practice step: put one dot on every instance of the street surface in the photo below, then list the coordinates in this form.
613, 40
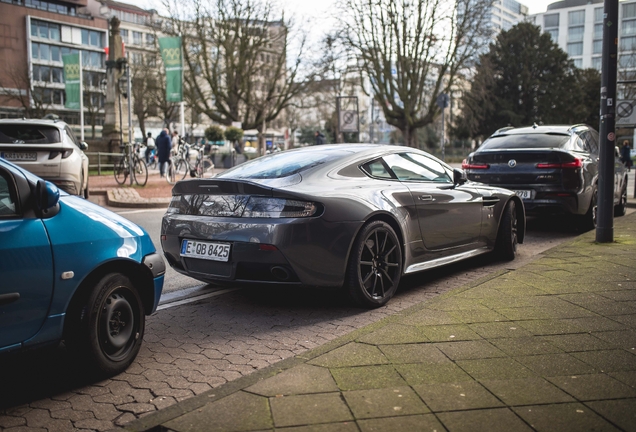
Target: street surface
205, 336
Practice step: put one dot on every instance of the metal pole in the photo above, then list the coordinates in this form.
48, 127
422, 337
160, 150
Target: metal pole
99, 163
182, 118
81, 101
130, 134
443, 125
605, 208
371, 122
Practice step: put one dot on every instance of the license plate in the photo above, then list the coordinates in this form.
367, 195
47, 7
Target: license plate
524, 194
19, 156
205, 250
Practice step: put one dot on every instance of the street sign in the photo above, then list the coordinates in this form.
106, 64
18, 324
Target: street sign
442, 100
626, 113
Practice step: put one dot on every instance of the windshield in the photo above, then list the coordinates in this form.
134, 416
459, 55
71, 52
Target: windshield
282, 164
525, 141
28, 134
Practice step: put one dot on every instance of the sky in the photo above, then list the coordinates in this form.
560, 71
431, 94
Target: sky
320, 10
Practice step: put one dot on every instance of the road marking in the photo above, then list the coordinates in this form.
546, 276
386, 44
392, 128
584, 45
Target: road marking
196, 298
141, 211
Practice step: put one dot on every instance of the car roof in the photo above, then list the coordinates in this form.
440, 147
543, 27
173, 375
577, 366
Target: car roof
552, 129
38, 122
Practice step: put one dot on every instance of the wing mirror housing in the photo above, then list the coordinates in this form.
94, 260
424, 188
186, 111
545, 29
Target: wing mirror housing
459, 177
83, 146
47, 198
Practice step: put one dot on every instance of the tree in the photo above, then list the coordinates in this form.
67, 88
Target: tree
236, 59
17, 87
233, 134
412, 50
214, 134
526, 78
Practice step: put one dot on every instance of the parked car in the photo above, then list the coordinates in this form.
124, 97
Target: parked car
554, 169
48, 149
356, 216
72, 270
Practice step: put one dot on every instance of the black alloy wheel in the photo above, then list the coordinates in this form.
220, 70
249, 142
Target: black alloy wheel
621, 208
588, 220
375, 265
507, 237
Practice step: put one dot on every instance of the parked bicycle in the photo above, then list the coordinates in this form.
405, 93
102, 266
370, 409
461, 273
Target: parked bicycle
152, 156
139, 172
181, 163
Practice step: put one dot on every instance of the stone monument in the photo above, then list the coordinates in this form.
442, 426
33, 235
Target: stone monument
116, 107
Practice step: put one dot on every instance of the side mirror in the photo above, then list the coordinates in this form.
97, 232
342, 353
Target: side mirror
83, 146
459, 177
47, 196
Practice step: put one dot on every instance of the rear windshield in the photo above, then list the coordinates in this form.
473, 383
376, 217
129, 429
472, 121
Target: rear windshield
29, 134
282, 164
525, 141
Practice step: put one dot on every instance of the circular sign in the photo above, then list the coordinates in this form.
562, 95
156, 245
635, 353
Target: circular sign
610, 136
624, 109
348, 117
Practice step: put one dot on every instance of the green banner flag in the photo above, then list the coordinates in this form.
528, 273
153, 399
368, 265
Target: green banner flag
172, 60
72, 71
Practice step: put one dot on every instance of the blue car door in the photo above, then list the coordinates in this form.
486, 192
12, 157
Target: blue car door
26, 264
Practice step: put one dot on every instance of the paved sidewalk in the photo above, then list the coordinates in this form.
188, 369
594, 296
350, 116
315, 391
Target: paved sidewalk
548, 347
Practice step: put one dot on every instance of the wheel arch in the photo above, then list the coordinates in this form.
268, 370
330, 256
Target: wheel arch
384, 217
139, 275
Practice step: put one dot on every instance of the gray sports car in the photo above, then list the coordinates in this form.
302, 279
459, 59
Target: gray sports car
354, 216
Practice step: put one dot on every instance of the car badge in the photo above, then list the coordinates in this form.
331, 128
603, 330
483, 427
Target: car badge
512, 163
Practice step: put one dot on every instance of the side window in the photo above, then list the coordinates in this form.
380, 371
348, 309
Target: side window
593, 141
377, 169
8, 198
71, 136
415, 167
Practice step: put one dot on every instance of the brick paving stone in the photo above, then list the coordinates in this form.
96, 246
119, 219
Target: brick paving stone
384, 402
137, 408
526, 391
608, 360
619, 412
494, 368
416, 423
548, 365
94, 424
10, 421
73, 415
367, 377
456, 396
572, 417
486, 420
593, 387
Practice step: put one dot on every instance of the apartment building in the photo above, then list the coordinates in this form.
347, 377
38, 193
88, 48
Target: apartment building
577, 27
506, 13
34, 34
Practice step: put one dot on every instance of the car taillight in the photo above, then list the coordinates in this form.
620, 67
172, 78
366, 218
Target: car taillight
468, 165
65, 154
576, 163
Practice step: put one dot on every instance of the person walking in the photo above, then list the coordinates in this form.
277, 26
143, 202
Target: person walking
164, 145
150, 147
626, 157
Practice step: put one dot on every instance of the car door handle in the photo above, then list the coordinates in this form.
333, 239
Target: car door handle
9, 298
425, 198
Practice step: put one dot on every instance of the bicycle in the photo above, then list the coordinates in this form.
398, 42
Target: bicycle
122, 170
180, 165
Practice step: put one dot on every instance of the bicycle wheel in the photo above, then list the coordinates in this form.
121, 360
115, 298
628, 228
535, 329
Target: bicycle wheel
207, 164
181, 169
171, 173
121, 171
140, 171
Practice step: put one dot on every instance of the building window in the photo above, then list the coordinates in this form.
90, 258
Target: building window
551, 20
578, 63
627, 61
628, 43
45, 30
124, 35
575, 34
597, 47
150, 40
598, 31
575, 49
576, 18
554, 34
137, 58
596, 63
136, 38
628, 27
84, 37
629, 10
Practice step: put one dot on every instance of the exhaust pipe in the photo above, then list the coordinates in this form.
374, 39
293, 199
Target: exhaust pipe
280, 273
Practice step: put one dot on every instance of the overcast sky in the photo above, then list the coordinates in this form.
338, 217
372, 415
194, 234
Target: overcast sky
322, 8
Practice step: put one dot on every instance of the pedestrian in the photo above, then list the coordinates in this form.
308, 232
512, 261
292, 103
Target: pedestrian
320, 138
163, 144
175, 140
150, 147
626, 157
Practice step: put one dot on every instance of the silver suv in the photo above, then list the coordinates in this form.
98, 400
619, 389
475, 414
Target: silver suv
48, 149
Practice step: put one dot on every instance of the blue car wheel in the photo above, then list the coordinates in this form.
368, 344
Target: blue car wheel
111, 324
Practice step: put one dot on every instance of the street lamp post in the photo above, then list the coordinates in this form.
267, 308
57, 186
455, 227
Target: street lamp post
607, 129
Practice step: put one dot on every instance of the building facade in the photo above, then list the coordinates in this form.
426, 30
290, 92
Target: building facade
506, 13
34, 35
577, 27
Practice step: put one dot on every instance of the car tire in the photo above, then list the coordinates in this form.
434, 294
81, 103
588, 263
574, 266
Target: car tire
375, 265
507, 239
587, 222
110, 325
621, 208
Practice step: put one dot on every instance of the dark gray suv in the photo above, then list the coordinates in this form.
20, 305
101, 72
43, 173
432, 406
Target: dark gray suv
553, 169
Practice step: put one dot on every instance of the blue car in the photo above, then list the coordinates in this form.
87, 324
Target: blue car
73, 271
